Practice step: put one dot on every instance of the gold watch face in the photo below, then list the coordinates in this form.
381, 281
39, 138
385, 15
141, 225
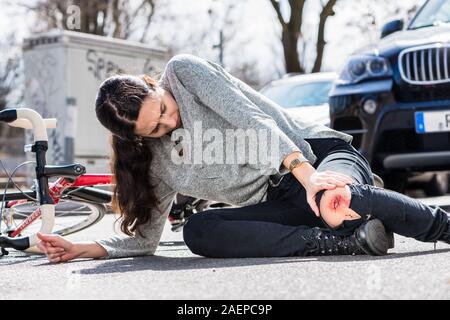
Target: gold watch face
294, 163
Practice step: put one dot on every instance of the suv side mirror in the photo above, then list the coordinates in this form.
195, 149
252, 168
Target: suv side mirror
391, 27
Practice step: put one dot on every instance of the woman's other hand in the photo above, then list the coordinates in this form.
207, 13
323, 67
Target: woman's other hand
56, 248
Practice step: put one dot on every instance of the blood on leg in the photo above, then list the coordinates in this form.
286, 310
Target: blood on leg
335, 206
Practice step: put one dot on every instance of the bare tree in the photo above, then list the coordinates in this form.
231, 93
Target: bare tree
11, 139
8, 75
292, 33
366, 16
203, 36
327, 11
115, 18
231, 25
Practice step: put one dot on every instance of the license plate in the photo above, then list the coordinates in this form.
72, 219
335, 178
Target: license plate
436, 121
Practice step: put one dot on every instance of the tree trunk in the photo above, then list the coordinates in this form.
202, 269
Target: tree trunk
290, 42
327, 11
291, 33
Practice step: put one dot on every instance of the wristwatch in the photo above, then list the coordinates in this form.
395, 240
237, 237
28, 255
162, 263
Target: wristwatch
297, 163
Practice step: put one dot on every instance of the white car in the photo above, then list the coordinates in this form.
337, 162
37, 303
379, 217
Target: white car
304, 96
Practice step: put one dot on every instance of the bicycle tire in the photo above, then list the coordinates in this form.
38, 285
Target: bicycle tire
82, 221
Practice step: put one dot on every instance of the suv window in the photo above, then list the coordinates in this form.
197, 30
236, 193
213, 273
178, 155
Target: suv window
299, 94
433, 13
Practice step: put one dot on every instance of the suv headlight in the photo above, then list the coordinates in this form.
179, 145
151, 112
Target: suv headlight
362, 67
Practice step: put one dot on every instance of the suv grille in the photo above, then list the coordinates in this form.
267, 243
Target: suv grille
425, 64
403, 94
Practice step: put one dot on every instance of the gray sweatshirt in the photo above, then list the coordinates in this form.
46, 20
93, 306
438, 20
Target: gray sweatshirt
207, 94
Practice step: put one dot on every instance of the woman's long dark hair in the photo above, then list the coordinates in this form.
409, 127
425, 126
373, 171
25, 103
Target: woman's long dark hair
117, 106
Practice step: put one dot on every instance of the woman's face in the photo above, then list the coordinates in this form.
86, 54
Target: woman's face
158, 116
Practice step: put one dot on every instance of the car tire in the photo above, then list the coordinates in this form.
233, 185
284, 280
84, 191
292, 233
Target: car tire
396, 182
438, 185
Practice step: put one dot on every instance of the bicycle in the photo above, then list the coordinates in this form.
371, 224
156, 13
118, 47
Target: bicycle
70, 203
73, 202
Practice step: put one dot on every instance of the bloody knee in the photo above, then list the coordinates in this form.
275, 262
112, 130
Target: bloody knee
334, 206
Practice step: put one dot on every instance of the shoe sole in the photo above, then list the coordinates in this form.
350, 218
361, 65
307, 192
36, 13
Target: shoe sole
391, 239
373, 234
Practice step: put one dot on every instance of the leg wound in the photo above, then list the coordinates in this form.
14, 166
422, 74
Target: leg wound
335, 206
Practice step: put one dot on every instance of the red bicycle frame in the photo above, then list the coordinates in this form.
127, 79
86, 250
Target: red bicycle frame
56, 190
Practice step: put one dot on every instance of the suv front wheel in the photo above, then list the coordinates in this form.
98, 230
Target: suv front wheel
396, 182
438, 185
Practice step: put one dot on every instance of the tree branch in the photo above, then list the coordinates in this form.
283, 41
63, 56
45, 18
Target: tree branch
149, 19
276, 6
327, 11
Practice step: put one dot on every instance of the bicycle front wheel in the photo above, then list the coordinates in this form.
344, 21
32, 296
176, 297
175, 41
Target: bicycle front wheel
70, 216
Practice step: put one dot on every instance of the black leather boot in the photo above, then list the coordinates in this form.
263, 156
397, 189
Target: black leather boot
399, 213
369, 238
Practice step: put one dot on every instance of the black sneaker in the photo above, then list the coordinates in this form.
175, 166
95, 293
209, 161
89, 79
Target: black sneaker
370, 238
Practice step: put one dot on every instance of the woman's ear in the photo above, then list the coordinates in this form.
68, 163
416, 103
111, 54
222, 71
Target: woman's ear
149, 81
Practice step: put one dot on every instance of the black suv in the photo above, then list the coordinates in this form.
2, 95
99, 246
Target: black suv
394, 98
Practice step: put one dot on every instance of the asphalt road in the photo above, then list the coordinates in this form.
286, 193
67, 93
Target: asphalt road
412, 270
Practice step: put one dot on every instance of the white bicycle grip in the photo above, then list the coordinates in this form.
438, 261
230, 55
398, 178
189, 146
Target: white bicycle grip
37, 123
50, 123
48, 221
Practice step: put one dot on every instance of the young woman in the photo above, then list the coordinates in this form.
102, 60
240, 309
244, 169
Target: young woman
315, 196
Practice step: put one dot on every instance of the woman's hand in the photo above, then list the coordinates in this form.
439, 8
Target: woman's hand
314, 181
56, 248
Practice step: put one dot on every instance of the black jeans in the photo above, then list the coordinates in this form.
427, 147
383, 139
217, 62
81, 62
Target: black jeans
273, 228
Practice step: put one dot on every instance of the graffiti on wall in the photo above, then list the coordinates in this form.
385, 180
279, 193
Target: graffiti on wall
102, 68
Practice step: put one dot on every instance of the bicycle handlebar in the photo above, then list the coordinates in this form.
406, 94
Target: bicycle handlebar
30, 119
